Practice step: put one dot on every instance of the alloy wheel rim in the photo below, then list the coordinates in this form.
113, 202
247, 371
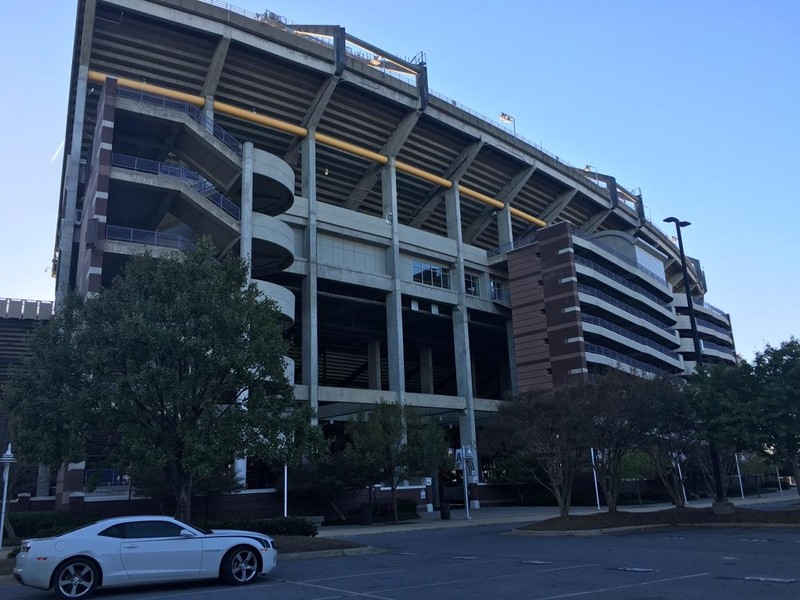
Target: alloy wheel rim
76, 580
244, 566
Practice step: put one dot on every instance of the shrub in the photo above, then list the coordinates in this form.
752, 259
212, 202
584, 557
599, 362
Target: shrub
276, 526
44, 524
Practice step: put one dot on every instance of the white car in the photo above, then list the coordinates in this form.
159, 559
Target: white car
134, 550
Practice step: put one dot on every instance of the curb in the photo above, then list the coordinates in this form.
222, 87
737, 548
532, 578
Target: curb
330, 553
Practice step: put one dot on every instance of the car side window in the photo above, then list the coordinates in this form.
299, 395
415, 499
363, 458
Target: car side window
115, 531
151, 529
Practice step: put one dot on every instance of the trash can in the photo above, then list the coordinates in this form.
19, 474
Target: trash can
365, 514
444, 511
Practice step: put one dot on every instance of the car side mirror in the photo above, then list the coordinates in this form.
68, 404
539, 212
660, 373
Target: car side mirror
185, 533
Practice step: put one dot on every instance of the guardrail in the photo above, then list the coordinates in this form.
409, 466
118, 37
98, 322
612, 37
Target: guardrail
626, 259
526, 240
196, 181
188, 109
621, 280
626, 360
717, 328
629, 335
718, 348
151, 238
625, 307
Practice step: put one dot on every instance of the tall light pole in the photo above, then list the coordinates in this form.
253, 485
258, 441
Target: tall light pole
506, 118
6, 459
698, 350
589, 169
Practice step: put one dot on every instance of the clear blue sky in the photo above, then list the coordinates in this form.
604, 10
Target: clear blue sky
696, 103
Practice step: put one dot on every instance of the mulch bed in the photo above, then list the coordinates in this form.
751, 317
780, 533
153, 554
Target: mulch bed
669, 517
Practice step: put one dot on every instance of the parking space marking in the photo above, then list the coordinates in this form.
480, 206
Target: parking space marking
621, 587
349, 576
339, 591
451, 582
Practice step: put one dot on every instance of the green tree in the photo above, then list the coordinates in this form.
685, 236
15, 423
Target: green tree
428, 449
545, 435
777, 376
378, 439
177, 365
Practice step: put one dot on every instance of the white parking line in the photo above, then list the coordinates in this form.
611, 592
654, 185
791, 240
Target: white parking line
339, 591
622, 587
347, 576
454, 581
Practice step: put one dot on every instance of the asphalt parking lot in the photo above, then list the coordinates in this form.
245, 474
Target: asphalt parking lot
487, 562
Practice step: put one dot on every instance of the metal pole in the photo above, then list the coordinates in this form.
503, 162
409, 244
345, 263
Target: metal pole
739, 473
778, 474
7, 459
464, 477
594, 474
285, 490
698, 351
683, 487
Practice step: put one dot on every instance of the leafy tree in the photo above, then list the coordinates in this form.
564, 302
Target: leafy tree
378, 439
777, 375
544, 433
669, 432
177, 364
618, 408
428, 451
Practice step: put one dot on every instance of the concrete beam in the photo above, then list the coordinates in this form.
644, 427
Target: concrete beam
313, 116
595, 221
558, 205
391, 148
506, 195
456, 170
217, 62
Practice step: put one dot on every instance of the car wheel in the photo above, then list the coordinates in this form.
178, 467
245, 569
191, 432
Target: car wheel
76, 578
241, 565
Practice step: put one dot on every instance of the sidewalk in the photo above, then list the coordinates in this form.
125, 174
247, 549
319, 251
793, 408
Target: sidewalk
524, 514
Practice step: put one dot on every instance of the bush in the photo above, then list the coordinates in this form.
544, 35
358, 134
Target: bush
277, 526
44, 524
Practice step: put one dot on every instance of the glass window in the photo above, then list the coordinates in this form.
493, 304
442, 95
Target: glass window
151, 529
115, 531
430, 274
472, 284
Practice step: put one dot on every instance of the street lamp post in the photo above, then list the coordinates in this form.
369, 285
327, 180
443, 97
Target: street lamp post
589, 169
506, 118
698, 351
6, 459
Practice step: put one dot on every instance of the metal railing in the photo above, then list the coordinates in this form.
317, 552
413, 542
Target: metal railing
521, 243
500, 295
718, 348
717, 328
626, 259
196, 181
151, 238
629, 335
627, 360
188, 109
712, 308
625, 307
621, 280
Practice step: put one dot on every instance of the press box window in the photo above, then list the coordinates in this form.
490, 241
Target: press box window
430, 274
472, 284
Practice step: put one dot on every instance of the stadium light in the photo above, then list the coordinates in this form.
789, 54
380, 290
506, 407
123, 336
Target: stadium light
507, 118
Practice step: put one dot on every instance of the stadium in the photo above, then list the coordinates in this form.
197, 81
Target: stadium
421, 253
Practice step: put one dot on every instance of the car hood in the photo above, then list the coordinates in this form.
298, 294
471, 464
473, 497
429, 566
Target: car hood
230, 532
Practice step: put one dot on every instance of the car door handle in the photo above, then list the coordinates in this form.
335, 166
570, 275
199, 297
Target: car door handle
131, 546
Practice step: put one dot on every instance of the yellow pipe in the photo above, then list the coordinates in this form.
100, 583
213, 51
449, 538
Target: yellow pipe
526, 217
480, 197
149, 88
322, 138
333, 142
235, 111
412, 170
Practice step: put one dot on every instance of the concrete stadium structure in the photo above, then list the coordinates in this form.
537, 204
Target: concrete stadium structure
422, 253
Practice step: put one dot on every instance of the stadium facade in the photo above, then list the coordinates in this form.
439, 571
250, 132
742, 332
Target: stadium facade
422, 253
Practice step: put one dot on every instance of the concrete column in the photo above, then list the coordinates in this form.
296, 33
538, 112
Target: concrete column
426, 369
69, 193
463, 357
246, 223
505, 233
310, 349
394, 308
374, 364
208, 111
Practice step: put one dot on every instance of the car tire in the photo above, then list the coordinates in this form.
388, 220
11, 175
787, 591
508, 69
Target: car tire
241, 565
76, 578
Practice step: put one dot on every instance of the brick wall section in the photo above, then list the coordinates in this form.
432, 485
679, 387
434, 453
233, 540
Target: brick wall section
95, 200
548, 337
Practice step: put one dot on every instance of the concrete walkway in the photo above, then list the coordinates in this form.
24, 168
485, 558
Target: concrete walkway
521, 514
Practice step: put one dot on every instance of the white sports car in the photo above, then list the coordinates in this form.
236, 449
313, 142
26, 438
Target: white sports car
132, 550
